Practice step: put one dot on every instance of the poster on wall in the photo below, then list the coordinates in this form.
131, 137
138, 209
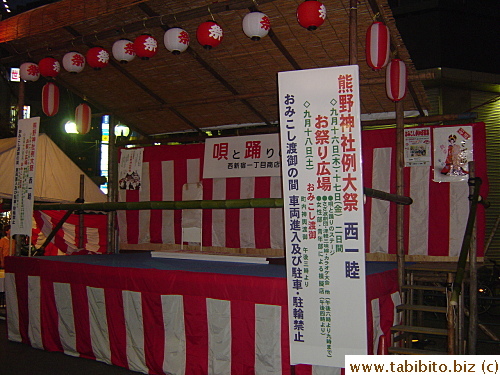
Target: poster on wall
130, 169
23, 193
245, 156
323, 214
453, 150
417, 150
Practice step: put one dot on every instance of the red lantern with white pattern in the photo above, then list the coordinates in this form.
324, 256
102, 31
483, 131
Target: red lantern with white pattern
29, 71
123, 50
395, 80
73, 62
377, 46
311, 14
83, 115
176, 40
49, 67
97, 57
209, 34
256, 25
50, 99
145, 46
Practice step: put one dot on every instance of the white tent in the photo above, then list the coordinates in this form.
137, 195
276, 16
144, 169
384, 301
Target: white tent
57, 178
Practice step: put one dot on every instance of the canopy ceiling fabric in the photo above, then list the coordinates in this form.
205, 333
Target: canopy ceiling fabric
57, 178
234, 83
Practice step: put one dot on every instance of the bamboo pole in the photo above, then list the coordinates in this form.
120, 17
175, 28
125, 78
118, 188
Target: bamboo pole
81, 217
353, 32
400, 250
200, 204
473, 318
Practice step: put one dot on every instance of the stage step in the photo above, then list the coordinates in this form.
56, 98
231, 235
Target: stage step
412, 351
422, 330
435, 309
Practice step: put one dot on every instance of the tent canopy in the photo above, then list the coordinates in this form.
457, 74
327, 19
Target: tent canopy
57, 178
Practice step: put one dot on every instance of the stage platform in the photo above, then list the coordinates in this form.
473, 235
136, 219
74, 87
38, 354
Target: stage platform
171, 316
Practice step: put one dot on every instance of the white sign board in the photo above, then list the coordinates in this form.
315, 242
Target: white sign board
23, 193
323, 214
453, 150
417, 147
246, 156
130, 169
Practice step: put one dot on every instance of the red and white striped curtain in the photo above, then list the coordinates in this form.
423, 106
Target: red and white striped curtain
435, 222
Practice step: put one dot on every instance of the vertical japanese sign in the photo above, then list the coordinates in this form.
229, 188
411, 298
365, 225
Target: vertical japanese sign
23, 194
323, 214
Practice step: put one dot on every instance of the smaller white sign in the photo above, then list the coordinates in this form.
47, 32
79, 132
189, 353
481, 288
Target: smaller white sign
417, 147
246, 156
15, 75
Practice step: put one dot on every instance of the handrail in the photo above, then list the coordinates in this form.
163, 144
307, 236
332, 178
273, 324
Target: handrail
462, 260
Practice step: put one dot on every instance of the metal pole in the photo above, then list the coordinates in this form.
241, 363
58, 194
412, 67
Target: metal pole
400, 246
353, 32
473, 319
112, 191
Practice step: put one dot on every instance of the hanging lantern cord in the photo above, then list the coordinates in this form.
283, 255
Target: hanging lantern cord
210, 12
376, 16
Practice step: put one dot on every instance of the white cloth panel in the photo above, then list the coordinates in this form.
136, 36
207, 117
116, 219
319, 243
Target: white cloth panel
167, 216
379, 221
174, 361
11, 303
35, 323
99, 334
219, 337
92, 243
66, 320
144, 215
459, 213
419, 211
193, 171
377, 329
132, 306
276, 216
247, 227
219, 216
192, 192
268, 339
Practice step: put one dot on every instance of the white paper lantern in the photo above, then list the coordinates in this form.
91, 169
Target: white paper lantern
29, 71
123, 50
176, 40
256, 25
73, 62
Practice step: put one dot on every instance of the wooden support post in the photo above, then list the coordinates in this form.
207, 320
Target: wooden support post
400, 249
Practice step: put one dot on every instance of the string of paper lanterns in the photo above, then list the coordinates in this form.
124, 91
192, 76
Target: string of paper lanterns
311, 14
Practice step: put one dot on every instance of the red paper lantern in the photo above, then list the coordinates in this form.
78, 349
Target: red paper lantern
83, 116
377, 46
123, 50
49, 67
256, 25
73, 62
97, 57
311, 14
50, 99
176, 40
209, 34
29, 71
145, 46
395, 80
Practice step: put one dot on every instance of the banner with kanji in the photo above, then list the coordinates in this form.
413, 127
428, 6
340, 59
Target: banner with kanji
24, 176
323, 213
